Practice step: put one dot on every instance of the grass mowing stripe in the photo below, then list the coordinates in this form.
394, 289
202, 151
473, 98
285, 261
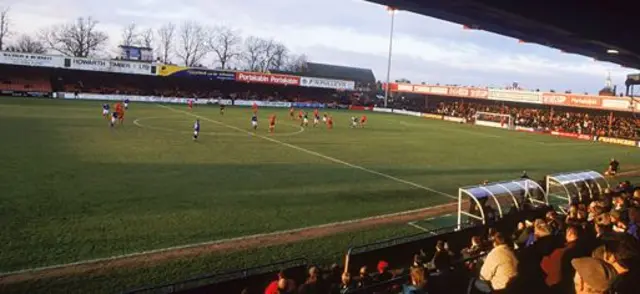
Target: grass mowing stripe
333, 159
97, 261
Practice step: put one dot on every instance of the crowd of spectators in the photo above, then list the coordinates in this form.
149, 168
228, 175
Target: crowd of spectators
600, 123
593, 248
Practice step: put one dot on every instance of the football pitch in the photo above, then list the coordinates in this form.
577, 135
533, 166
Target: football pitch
74, 189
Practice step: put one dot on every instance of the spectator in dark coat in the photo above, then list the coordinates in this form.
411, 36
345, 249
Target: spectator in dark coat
531, 257
334, 276
364, 279
345, 285
621, 252
314, 283
634, 222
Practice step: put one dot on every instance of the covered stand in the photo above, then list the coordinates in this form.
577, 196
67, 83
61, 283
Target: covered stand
490, 202
575, 187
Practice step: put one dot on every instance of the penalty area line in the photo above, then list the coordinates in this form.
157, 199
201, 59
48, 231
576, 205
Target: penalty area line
314, 153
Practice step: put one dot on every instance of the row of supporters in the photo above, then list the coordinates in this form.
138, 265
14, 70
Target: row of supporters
627, 104
152, 69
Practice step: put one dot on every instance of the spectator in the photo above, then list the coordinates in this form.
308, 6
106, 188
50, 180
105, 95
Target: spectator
364, 279
544, 242
592, 275
334, 276
345, 285
419, 260
500, 266
554, 222
314, 283
383, 274
418, 282
621, 252
442, 258
475, 249
275, 286
634, 222
616, 220
557, 266
524, 234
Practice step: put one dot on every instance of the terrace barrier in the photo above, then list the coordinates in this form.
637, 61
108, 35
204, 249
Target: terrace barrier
253, 279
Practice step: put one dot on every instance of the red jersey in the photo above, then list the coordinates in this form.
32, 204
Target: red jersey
272, 120
118, 107
300, 114
254, 106
364, 118
315, 112
190, 103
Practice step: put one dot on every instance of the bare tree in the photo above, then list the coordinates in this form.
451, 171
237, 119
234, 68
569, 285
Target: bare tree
279, 57
130, 35
192, 48
166, 35
27, 44
253, 50
267, 56
297, 63
79, 39
4, 25
225, 43
146, 38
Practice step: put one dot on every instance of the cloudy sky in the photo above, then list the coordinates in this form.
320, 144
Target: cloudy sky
346, 32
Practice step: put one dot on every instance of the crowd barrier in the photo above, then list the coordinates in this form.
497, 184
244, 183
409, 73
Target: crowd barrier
398, 252
253, 279
618, 141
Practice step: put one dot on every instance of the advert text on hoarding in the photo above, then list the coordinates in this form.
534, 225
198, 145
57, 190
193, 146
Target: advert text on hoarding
267, 78
618, 141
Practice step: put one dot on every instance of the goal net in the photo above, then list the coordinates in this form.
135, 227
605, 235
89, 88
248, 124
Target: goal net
493, 119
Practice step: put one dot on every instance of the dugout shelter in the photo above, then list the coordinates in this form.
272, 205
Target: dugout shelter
487, 203
575, 187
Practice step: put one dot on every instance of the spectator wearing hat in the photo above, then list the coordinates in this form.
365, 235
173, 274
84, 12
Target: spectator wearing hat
500, 266
592, 275
383, 273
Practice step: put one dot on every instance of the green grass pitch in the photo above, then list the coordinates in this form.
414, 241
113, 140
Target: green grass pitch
73, 189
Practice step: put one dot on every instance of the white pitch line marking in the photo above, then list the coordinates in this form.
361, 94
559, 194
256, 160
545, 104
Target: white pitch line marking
329, 158
413, 224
